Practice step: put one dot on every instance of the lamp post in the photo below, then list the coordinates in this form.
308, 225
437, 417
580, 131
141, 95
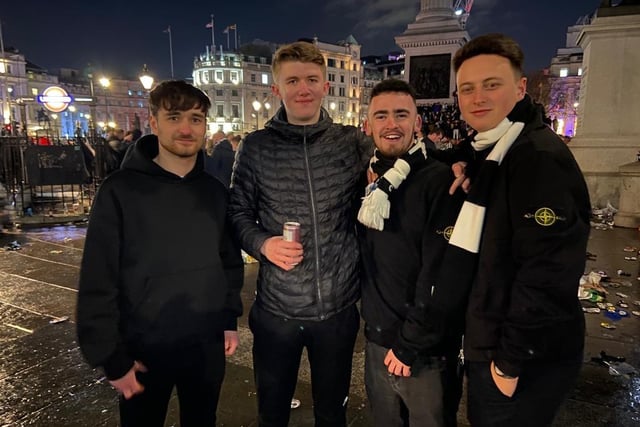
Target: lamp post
146, 79
257, 105
105, 83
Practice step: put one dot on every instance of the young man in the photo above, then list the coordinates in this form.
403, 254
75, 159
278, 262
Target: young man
524, 231
405, 363
160, 280
301, 168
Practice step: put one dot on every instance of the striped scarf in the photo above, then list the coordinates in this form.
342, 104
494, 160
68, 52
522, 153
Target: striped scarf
468, 228
375, 205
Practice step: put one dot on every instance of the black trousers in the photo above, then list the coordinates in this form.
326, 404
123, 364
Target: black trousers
277, 349
196, 371
542, 387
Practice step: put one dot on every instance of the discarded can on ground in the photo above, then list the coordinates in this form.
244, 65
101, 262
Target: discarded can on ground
607, 325
591, 309
291, 232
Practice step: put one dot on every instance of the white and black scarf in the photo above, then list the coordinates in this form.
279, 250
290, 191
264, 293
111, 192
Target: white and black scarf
376, 206
468, 228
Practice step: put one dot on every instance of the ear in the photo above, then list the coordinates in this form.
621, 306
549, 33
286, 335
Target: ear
366, 127
325, 88
153, 124
522, 87
418, 124
275, 90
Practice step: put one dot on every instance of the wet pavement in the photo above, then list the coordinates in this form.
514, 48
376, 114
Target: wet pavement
44, 381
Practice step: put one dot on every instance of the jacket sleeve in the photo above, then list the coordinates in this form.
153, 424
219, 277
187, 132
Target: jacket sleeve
234, 273
421, 331
243, 203
549, 211
98, 312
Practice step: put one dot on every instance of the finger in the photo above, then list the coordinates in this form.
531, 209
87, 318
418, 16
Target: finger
456, 183
139, 367
466, 185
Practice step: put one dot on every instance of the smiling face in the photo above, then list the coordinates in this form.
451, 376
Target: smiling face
392, 122
488, 89
301, 86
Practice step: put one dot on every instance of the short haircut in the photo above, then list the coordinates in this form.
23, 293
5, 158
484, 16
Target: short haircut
435, 129
300, 51
491, 44
393, 85
177, 95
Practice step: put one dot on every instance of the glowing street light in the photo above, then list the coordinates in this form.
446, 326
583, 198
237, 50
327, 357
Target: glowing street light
146, 78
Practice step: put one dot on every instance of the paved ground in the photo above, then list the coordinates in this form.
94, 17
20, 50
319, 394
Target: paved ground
44, 382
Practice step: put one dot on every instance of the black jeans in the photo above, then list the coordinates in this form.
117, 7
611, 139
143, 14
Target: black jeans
542, 387
404, 401
277, 349
196, 371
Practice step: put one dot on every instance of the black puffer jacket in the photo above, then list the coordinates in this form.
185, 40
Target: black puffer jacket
312, 175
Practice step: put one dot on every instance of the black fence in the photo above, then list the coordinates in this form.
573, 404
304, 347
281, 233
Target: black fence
51, 180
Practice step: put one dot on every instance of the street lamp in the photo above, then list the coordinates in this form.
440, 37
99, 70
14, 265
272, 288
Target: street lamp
256, 107
146, 78
105, 83
332, 108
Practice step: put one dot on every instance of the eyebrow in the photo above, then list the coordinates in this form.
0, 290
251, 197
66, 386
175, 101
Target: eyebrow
483, 81
399, 110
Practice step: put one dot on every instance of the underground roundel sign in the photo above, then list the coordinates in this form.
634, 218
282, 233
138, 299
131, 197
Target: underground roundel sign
55, 99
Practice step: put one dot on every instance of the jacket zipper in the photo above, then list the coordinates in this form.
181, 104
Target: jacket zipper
314, 217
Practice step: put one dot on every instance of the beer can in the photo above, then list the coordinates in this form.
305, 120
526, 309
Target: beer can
291, 231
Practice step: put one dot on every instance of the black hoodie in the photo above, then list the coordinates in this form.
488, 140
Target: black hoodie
159, 268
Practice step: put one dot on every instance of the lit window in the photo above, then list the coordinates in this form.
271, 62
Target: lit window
34, 91
219, 77
234, 77
265, 79
580, 71
564, 72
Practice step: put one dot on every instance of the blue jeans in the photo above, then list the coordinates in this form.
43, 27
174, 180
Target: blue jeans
542, 387
277, 349
403, 401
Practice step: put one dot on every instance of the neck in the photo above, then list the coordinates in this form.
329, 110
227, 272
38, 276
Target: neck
176, 165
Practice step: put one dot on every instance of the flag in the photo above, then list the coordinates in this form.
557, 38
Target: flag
225, 31
168, 30
232, 27
209, 25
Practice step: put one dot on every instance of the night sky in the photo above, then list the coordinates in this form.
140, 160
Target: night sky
117, 37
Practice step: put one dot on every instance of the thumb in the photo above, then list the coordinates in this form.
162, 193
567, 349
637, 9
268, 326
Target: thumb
139, 367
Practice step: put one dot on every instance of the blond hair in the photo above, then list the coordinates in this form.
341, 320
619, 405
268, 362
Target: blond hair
300, 52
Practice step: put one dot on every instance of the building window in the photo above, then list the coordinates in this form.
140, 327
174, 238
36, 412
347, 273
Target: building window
580, 71
332, 77
354, 81
235, 111
564, 72
341, 91
341, 107
219, 110
331, 62
353, 93
332, 91
341, 78
5, 68
234, 77
34, 91
234, 92
355, 67
253, 78
265, 79
219, 92
219, 76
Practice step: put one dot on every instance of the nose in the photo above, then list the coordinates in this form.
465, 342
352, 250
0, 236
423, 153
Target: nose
478, 96
184, 127
390, 122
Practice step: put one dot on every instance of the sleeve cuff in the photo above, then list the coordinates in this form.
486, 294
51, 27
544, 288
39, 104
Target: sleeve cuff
230, 322
118, 364
406, 357
512, 369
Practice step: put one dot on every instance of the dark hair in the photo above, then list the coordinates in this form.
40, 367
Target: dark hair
491, 44
435, 129
300, 51
393, 85
177, 95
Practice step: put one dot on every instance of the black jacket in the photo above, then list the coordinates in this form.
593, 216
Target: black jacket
220, 163
312, 175
523, 303
159, 267
402, 261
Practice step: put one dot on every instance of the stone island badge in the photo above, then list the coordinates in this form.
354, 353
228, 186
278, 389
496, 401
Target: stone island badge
545, 217
446, 233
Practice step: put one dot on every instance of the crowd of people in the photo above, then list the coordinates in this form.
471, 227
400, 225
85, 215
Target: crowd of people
486, 242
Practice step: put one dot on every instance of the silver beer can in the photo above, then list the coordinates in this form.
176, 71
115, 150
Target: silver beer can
291, 231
